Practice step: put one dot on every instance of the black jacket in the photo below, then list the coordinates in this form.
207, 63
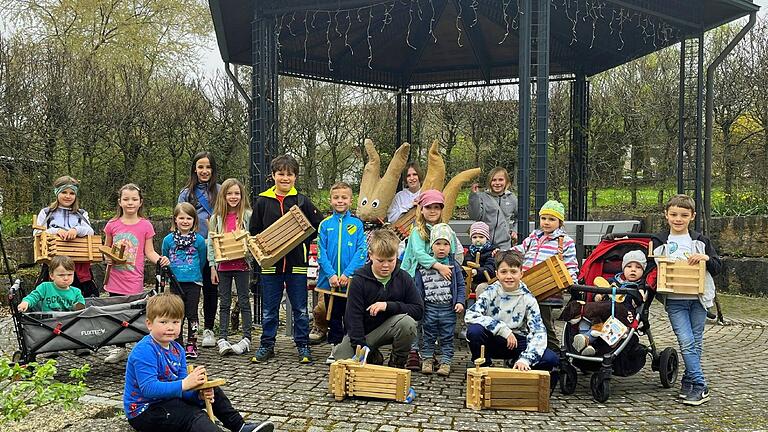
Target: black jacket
401, 295
714, 264
487, 263
267, 210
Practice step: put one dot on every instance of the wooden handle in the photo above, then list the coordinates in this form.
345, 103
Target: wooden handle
208, 406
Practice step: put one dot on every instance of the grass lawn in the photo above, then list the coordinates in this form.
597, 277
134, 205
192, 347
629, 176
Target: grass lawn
737, 306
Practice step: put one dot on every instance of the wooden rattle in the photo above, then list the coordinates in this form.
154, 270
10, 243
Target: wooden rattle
206, 385
480, 360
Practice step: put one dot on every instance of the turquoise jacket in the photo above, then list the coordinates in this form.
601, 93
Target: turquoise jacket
341, 247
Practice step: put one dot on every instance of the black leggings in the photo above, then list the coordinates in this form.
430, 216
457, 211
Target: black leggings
210, 299
176, 414
190, 293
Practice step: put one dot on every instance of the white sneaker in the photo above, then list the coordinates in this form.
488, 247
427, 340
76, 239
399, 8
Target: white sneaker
116, 355
209, 339
241, 347
331, 358
224, 347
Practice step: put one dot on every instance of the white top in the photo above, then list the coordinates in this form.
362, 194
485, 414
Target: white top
679, 248
401, 203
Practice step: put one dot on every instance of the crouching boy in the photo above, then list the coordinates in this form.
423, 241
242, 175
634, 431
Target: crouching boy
383, 305
158, 391
506, 319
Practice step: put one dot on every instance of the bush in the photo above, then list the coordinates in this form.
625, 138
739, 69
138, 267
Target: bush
26, 388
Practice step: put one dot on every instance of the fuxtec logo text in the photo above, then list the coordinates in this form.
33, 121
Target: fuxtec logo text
94, 332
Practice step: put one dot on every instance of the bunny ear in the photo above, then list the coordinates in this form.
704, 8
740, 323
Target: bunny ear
371, 171
451, 190
387, 185
435, 178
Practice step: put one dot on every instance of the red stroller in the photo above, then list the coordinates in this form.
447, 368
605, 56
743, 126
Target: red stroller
629, 355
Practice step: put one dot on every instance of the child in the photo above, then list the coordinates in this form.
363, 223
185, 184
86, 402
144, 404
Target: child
158, 391
479, 234
342, 249
633, 267
688, 313
507, 321
65, 218
383, 305
419, 253
443, 299
291, 271
57, 294
202, 183
231, 213
186, 250
129, 228
550, 239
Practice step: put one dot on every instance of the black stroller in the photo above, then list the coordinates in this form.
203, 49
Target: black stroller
629, 355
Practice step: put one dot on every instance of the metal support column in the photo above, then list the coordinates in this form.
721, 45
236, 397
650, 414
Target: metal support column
698, 196
263, 144
409, 117
578, 172
690, 175
399, 119
541, 51
524, 134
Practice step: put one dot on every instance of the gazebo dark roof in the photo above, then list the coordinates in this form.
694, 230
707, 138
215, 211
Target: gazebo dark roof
337, 49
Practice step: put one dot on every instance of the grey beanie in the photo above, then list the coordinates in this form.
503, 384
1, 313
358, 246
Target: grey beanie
634, 256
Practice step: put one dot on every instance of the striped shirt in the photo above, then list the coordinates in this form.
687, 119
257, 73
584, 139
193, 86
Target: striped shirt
538, 246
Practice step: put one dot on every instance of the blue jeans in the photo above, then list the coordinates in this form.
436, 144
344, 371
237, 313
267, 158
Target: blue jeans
272, 292
496, 347
438, 324
687, 318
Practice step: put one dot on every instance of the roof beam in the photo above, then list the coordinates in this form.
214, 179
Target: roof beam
661, 15
477, 42
421, 39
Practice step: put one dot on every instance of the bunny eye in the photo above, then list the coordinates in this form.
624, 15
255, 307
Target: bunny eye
364, 201
375, 203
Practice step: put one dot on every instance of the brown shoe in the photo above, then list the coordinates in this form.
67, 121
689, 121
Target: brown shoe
444, 369
427, 367
414, 361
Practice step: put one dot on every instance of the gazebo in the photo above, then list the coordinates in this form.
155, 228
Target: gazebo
407, 46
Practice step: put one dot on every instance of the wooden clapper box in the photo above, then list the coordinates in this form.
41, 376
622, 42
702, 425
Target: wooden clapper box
677, 276
80, 249
503, 388
279, 238
230, 245
350, 378
548, 278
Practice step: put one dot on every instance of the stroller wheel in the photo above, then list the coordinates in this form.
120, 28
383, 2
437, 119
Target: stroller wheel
568, 378
601, 387
668, 366
16, 357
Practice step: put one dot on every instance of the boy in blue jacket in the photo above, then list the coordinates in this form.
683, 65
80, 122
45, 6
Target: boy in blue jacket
342, 249
443, 299
158, 391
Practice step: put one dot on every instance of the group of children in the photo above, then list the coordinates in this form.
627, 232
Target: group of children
387, 304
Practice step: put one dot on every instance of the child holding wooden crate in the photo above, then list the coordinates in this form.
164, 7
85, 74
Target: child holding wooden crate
383, 305
65, 218
506, 319
291, 271
159, 394
342, 249
443, 299
548, 240
186, 250
418, 251
129, 227
688, 313
232, 212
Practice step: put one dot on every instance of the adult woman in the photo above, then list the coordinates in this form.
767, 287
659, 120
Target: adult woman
496, 206
406, 198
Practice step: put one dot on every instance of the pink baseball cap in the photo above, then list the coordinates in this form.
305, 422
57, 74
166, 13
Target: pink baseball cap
431, 196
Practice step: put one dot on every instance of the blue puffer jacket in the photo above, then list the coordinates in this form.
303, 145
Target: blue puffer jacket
342, 247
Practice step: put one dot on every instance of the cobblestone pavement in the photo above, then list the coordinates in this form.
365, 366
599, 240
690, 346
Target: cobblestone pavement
294, 396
